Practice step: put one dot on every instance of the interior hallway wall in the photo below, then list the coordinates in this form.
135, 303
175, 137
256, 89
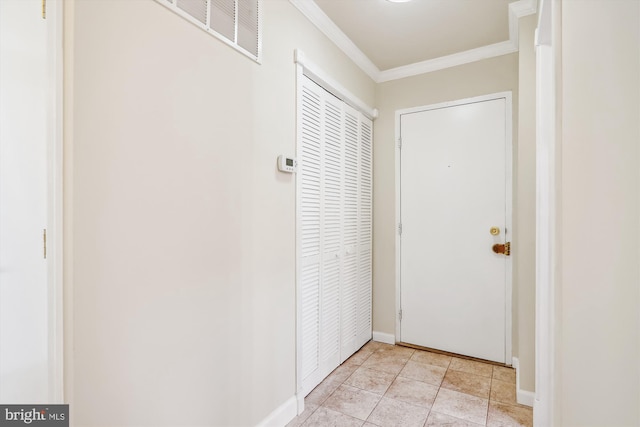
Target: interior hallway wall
180, 231
599, 191
479, 78
525, 197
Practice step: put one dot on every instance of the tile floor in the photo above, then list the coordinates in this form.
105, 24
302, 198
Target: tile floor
392, 386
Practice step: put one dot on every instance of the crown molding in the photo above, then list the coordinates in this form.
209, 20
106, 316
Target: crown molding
312, 11
453, 60
517, 10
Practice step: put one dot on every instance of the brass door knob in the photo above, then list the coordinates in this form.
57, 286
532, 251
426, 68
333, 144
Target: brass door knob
494, 231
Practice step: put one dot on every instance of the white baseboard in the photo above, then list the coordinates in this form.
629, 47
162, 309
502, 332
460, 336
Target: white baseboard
300, 398
281, 416
385, 338
523, 397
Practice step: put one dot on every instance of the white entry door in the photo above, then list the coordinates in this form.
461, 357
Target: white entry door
24, 90
455, 187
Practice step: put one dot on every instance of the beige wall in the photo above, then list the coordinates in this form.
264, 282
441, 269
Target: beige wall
180, 272
525, 199
599, 278
479, 78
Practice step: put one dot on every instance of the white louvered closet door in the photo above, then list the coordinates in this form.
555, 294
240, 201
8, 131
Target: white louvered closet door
349, 300
334, 231
365, 233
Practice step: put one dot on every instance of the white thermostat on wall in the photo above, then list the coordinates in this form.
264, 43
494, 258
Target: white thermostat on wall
287, 164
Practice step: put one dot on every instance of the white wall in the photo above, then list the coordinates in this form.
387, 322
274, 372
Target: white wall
525, 244
180, 231
599, 278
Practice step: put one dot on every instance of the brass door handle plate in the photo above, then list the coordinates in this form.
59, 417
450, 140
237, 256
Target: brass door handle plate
502, 249
494, 231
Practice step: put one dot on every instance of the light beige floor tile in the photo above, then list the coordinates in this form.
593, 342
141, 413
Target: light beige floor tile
503, 392
370, 380
460, 405
352, 401
501, 415
429, 358
342, 372
465, 382
322, 391
471, 366
360, 356
324, 417
421, 372
309, 408
397, 352
375, 345
412, 391
393, 353
384, 363
441, 420
392, 413
503, 373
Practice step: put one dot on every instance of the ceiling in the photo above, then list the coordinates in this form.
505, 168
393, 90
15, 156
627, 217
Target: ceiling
394, 40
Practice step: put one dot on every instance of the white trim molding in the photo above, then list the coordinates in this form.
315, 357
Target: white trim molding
318, 75
384, 337
312, 11
55, 201
485, 52
517, 10
282, 414
547, 212
523, 397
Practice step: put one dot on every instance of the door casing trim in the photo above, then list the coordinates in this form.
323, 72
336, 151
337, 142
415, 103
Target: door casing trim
55, 201
508, 97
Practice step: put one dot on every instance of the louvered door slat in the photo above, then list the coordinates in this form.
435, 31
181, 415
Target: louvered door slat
350, 232
309, 217
365, 224
331, 228
334, 231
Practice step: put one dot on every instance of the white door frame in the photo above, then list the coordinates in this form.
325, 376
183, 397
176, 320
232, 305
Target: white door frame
508, 200
546, 218
55, 22
52, 242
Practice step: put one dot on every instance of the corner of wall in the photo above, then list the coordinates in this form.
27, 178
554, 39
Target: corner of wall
384, 337
523, 397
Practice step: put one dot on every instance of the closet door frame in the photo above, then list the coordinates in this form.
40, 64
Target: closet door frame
304, 67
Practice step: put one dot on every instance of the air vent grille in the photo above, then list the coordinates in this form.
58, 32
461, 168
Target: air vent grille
235, 22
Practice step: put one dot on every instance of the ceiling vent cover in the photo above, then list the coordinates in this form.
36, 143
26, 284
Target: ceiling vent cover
235, 22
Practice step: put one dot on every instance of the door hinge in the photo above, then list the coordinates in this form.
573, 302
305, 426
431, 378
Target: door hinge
400, 143
400, 314
44, 9
44, 243
400, 229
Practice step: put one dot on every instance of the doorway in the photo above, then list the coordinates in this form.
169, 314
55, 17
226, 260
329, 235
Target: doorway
30, 201
455, 227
